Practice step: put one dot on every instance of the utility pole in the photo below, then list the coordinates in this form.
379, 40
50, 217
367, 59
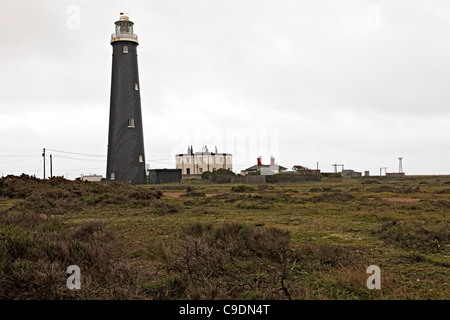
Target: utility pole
51, 166
338, 165
43, 155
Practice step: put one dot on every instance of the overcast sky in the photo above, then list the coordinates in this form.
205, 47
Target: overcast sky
353, 82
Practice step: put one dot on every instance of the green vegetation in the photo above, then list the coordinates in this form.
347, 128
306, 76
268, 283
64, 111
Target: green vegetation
212, 175
291, 178
242, 188
201, 240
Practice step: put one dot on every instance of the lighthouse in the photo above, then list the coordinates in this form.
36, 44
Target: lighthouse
126, 159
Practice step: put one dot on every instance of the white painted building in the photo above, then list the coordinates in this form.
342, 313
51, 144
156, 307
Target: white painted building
204, 160
92, 177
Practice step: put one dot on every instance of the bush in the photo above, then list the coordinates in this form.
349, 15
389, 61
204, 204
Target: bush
236, 261
33, 262
223, 262
242, 188
212, 176
414, 235
370, 182
57, 195
330, 175
334, 197
291, 178
193, 192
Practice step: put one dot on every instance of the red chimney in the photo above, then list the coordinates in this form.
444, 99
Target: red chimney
259, 160
272, 161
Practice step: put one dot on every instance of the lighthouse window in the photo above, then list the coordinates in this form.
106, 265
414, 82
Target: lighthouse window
141, 159
125, 49
130, 122
136, 87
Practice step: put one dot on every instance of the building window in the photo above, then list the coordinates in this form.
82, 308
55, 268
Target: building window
221, 160
214, 169
125, 49
213, 160
187, 160
199, 160
113, 176
136, 87
200, 170
130, 122
141, 158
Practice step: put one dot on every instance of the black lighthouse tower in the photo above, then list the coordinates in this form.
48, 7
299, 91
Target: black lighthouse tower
126, 159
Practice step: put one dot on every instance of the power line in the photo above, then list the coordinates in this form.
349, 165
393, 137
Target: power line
16, 155
95, 155
82, 159
160, 162
81, 169
76, 153
17, 160
39, 168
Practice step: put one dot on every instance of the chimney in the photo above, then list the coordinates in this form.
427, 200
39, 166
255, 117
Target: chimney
272, 161
259, 160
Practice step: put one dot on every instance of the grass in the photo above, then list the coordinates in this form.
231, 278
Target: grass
308, 240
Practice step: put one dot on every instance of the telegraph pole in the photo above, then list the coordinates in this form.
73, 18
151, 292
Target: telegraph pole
51, 166
338, 165
43, 155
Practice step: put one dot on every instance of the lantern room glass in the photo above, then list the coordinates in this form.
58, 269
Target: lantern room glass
124, 27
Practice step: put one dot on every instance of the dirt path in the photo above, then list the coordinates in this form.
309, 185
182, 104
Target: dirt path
397, 199
177, 194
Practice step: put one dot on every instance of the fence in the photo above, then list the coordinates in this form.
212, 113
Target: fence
241, 179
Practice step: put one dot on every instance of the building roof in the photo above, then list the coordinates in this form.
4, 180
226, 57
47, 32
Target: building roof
257, 167
204, 154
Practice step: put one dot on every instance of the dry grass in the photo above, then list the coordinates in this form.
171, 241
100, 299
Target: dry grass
310, 240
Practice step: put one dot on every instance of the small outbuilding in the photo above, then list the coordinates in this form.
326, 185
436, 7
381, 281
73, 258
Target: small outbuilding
157, 176
91, 178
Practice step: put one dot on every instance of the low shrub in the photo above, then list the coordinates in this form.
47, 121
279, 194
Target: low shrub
236, 261
333, 197
33, 262
58, 195
241, 188
415, 235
